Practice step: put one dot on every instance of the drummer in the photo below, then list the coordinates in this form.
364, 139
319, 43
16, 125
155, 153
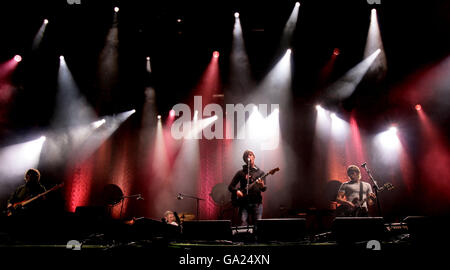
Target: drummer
171, 218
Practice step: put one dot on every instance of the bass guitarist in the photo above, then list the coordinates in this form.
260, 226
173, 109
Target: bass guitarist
249, 200
355, 195
31, 188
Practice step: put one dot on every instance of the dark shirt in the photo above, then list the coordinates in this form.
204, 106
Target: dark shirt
254, 193
25, 192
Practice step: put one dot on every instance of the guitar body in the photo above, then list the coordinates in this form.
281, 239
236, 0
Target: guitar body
15, 210
347, 211
356, 211
238, 202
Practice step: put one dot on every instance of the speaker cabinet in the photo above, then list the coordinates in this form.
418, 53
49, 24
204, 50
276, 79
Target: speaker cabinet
207, 230
282, 229
428, 231
349, 230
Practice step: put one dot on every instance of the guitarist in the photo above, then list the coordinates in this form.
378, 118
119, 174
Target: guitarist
31, 188
355, 195
249, 201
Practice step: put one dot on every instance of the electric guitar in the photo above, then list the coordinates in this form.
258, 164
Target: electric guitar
237, 201
348, 211
21, 205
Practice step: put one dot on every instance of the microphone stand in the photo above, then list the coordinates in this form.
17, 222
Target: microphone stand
248, 174
375, 187
137, 196
192, 197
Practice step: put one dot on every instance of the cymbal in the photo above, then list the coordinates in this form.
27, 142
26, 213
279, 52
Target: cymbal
186, 216
220, 194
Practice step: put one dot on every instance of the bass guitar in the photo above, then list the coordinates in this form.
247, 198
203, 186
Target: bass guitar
237, 201
21, 205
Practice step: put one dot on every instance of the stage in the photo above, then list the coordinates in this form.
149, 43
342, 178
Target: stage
272, 243
117, 116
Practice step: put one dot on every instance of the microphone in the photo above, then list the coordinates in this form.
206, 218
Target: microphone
140, 197
179, 197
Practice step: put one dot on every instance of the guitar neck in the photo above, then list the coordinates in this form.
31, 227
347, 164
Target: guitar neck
34, 198
254, 182
38, 196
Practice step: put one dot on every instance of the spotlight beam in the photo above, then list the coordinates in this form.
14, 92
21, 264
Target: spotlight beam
289, 28
240, 78
346, 85
16, 159
39, 35
72, 109
374, 43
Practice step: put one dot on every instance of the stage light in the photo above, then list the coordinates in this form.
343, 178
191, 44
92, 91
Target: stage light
17, 58
172, 113
388, 140
336, 51
297, 4
159, 117
216, 54
346, 85
289, 51
393, 130
418, 107
148, 65
374, 42
39, 35
98, 123
61, 58
116, 9
236, 15
179, 20
319, 108
388, 145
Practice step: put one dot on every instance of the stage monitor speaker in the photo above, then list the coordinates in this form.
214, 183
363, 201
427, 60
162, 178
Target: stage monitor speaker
209, 230
349, 230
281, 229
91, 212
428, 230
146, 228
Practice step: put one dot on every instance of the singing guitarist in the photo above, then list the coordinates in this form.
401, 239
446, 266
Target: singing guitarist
355, 195
249, 200
31, 188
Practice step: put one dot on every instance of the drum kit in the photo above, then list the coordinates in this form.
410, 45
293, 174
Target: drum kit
113, 195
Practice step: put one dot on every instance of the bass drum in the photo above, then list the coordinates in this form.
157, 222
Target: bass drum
112, 195
220, 194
